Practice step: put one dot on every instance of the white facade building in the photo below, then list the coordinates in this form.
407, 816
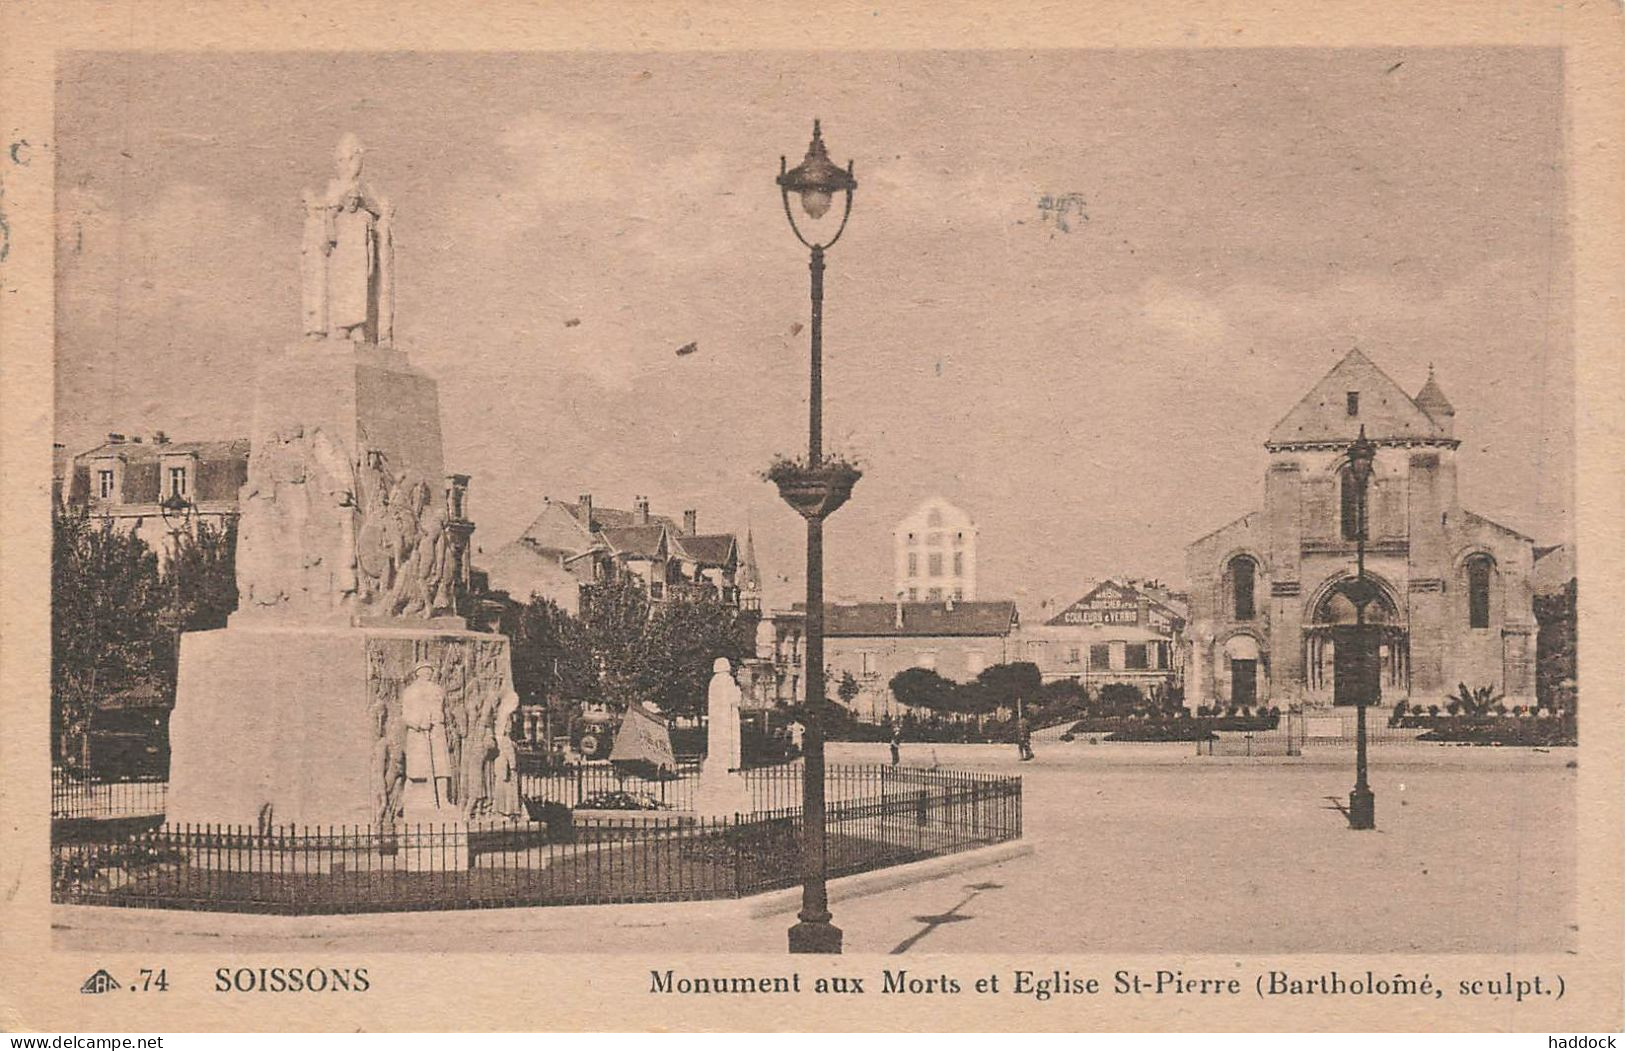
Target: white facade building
935, 554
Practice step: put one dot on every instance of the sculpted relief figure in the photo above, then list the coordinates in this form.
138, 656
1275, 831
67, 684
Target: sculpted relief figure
404, 565
348, 265
297, 551
428, 760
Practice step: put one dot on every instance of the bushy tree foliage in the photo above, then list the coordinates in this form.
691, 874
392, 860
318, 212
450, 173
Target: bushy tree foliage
1556, 642
924, 688
109, 631
1002, 685
551, 663
683, 638
202, 576
621, 648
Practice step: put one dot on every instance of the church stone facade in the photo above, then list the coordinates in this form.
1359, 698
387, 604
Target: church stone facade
1454, 596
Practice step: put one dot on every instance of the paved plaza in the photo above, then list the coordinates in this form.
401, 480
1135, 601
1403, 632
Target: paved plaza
1474, 852
1145, 848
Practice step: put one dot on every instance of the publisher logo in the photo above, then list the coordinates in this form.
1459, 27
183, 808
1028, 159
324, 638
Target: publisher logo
100, 982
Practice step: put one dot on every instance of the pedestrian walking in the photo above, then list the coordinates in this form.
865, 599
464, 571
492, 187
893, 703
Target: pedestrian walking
896, 744
1024, 738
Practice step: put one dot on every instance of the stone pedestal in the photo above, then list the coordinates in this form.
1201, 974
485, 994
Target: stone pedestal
345, 476
720, 793
301, 725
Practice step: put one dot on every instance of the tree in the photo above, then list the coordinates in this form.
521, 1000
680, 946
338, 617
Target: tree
107, 620
684, 637
924, 688
1555, 645
1002, 685
659, 653
614, 620
202, 576
552, 664
849, 689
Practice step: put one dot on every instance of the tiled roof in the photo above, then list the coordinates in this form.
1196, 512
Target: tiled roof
920, 618
716, 549
642, 540
615, 517
137, 452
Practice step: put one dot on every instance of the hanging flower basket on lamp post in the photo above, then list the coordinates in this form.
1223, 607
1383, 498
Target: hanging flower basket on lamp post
816, 491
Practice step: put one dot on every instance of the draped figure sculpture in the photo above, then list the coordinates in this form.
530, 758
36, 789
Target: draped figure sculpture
348, 256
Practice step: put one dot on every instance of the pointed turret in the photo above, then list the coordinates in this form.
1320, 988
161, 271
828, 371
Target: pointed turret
1431, 400
749, 578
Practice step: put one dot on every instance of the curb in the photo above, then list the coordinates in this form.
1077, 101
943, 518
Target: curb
778, 902
576, 920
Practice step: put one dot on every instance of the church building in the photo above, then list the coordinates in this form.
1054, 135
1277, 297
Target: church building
1454, 597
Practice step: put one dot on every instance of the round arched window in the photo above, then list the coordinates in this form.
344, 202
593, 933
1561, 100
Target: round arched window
1243, 574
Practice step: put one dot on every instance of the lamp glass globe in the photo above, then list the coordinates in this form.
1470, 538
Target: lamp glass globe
815, 202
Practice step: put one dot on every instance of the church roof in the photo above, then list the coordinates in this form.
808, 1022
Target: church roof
1383, 408
1431, 399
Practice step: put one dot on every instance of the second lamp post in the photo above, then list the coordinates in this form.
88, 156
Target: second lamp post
815, 489
1367, 679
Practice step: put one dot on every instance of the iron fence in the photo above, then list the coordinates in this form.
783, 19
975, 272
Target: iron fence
1306, 733
877, 817
72, 798
585, 784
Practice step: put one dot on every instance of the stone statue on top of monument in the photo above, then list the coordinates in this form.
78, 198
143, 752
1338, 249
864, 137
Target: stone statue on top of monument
348, 264
347, 681
346, 513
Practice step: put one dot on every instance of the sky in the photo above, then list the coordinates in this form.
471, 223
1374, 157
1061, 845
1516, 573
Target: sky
1096, 395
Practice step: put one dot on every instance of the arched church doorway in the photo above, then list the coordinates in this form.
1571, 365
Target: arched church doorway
1332, 615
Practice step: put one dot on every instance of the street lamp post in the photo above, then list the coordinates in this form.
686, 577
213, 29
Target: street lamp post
1362, 802
815, 491
177, 512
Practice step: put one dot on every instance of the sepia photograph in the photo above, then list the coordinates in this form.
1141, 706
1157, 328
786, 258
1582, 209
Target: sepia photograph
912, 503
419, 541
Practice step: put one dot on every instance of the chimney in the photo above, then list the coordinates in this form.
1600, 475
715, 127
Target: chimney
584, 510
691, 523
160, 438
114, 438
641, 506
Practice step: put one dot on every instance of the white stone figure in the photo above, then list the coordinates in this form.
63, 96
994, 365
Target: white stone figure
505, 788
348, 278
722, 791
722, 714
428, 760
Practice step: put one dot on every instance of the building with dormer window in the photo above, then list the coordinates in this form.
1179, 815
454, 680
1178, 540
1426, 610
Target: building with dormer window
128, 480
569, 546
1454, 598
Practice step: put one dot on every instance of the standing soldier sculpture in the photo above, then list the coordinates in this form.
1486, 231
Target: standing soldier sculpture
428, 760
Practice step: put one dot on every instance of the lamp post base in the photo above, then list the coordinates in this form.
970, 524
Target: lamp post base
1362, 809
813, 936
